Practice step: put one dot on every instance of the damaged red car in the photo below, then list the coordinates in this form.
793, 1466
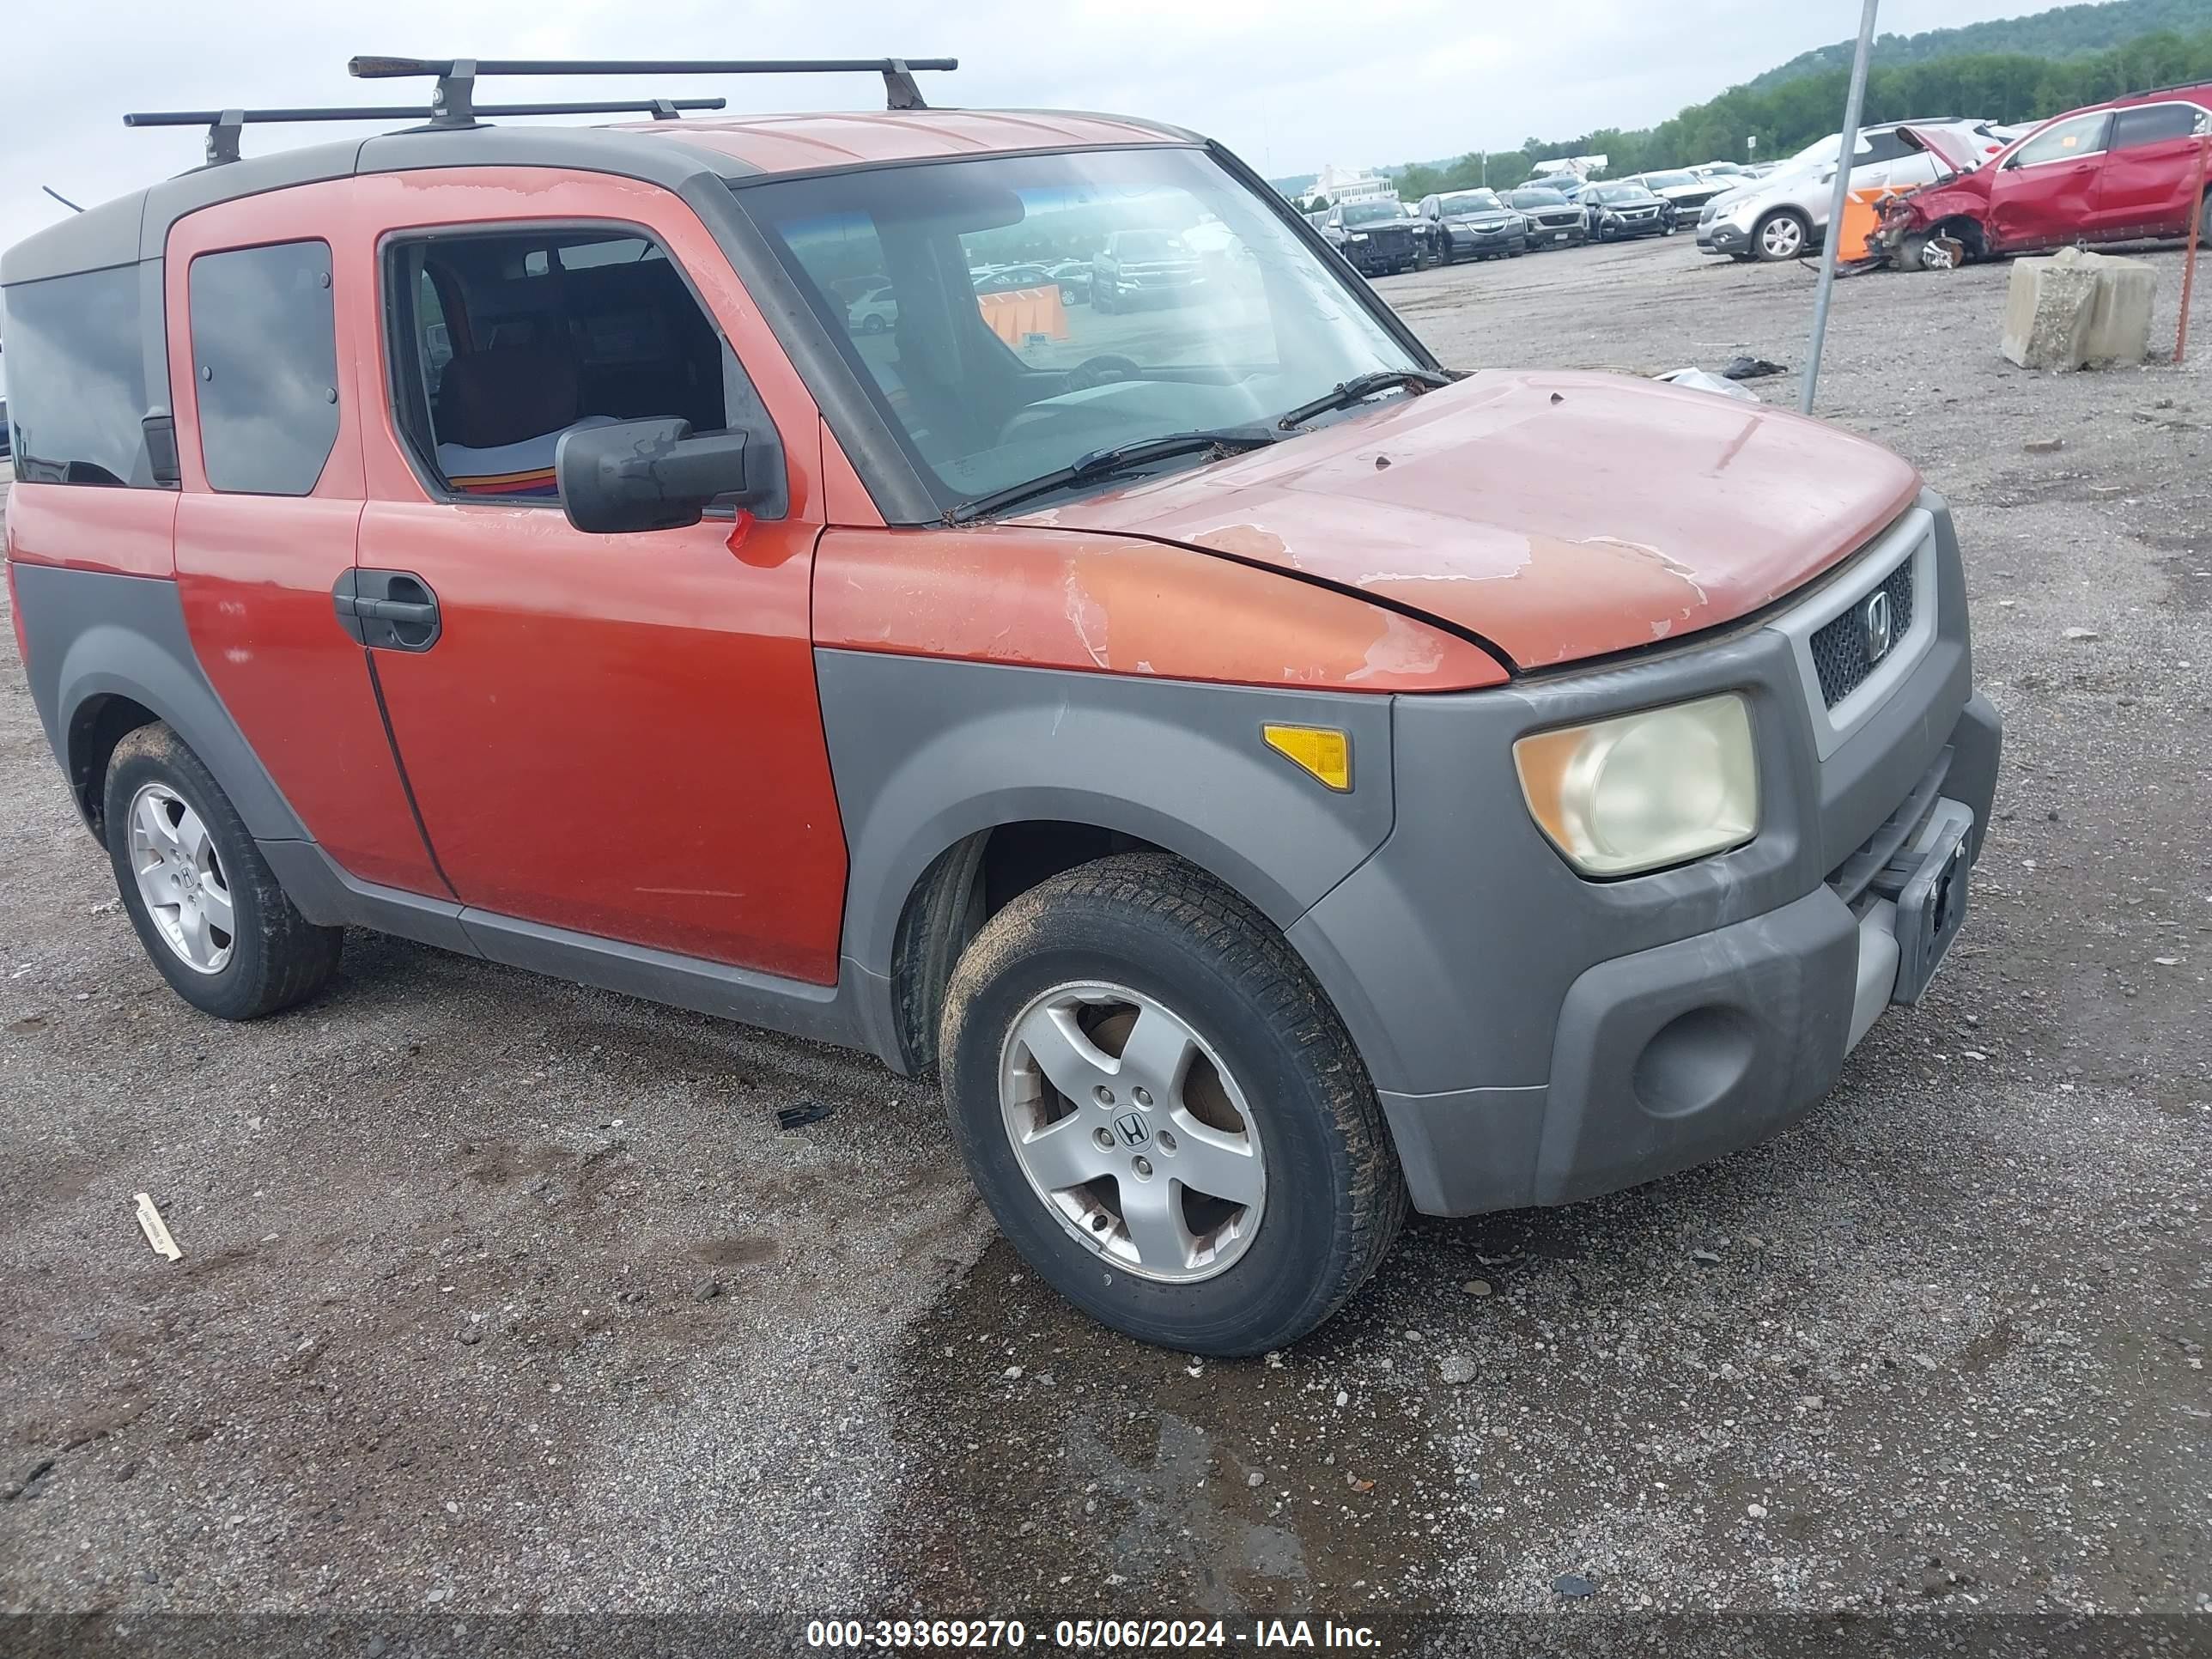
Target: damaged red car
2120, 172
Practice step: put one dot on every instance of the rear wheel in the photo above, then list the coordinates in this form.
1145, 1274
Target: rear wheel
205, 903
1166, 1117
1781, 236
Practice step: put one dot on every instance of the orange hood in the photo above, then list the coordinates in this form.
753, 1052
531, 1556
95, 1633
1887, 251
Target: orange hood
1557, 516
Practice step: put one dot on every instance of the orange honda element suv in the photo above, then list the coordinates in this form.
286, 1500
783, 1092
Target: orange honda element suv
1273, 781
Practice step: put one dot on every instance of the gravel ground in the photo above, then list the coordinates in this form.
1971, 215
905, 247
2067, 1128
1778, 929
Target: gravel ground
502, 1294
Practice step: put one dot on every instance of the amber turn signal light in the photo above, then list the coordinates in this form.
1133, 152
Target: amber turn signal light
1320, 750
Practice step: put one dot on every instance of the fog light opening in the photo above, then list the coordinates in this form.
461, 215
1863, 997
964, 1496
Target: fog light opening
1694, 1061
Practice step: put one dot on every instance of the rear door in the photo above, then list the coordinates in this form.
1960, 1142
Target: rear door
612, 735
2150, 171
2044, 193
269, 449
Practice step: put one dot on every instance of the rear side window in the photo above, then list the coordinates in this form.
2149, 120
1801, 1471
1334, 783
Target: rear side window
2155, 124
266, 367
76, 372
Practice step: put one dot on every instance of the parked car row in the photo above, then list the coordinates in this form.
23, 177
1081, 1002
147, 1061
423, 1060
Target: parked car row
1964, 189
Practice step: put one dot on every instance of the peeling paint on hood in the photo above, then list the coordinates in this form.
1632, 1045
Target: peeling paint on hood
1557, 515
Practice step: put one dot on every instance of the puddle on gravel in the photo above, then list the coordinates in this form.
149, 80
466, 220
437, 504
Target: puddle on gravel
1055, 1467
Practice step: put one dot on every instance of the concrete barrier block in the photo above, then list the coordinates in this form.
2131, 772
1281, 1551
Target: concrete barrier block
2119, 325
2078, 308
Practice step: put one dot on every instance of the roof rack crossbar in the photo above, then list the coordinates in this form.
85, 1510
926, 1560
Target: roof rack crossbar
223, 124
457, 76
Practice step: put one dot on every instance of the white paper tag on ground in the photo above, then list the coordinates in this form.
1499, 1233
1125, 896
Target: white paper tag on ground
156, 1229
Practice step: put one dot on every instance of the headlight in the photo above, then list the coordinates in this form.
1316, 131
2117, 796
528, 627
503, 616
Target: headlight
1359, 235
1643, 790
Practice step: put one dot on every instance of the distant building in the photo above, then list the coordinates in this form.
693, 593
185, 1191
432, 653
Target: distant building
1341, 185
1580, 166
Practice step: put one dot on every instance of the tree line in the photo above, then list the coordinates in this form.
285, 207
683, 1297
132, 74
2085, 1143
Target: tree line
2006, 87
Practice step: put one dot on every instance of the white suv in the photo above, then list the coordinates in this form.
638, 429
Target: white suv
1785, 214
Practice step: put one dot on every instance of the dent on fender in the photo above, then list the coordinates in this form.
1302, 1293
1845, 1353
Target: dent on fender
1044, 598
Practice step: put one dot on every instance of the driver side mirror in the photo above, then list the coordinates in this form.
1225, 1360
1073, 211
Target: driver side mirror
657, 474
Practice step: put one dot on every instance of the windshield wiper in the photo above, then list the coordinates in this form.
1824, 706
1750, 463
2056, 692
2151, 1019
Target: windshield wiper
1105, 463
1360, 387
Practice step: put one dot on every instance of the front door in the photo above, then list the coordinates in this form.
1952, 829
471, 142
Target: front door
616, 735
2044, 194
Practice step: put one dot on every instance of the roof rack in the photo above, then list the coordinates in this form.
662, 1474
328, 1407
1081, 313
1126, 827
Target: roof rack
454, 100
223, 124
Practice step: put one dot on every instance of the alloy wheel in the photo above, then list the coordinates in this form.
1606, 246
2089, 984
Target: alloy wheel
1133, 1132
1781, 237
181, 880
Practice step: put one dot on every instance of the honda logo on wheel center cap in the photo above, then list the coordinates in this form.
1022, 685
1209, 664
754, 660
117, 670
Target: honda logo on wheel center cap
1130, 1125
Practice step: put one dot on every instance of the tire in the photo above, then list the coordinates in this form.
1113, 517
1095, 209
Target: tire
872, 324
1919, 252
1444, 251
1145, 934
1783, 234
275, 957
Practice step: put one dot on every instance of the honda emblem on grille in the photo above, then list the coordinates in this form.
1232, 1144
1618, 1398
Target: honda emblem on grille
1874, 625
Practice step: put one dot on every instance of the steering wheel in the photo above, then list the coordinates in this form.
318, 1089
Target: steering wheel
1101, 370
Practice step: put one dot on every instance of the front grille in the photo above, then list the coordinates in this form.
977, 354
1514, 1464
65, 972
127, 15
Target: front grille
1839, 647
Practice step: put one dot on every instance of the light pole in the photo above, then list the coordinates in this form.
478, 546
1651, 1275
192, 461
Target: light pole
1848, 148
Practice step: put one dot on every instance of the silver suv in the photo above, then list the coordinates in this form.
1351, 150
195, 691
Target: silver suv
1785, 214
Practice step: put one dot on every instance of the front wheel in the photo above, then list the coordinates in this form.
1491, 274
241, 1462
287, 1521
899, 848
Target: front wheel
1166, 1117
1781, 236
205, 903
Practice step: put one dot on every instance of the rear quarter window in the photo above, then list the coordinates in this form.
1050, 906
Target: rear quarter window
266, 367
76, 372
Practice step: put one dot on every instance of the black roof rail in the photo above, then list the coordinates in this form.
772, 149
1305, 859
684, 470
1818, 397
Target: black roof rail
223, 124
457, 76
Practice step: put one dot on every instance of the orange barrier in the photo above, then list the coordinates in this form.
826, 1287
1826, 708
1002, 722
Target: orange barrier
1860, 221
1020, 314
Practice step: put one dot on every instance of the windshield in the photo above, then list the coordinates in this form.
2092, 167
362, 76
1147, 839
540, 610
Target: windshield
1538, 198
1470, 201
1667, 181
1623, 192
1203, 308
1368, 213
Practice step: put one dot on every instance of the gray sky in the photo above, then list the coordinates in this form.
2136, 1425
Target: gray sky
1288, 84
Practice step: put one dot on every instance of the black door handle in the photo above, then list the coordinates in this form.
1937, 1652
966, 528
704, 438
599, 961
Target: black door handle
395, 610
387, 610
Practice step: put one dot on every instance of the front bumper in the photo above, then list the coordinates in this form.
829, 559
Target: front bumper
1722, 237
1536, 1037
1370, 259
1468, 244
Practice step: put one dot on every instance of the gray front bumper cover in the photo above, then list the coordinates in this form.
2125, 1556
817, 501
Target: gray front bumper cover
1536, 1037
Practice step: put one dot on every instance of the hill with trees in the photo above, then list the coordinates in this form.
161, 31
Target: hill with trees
2067, 32
1787, 114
